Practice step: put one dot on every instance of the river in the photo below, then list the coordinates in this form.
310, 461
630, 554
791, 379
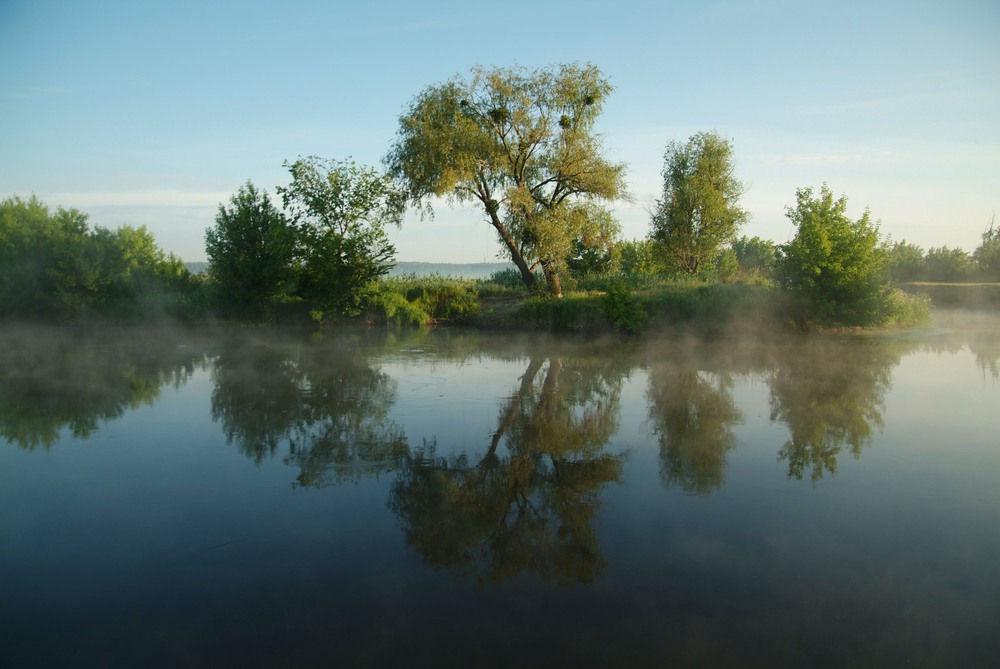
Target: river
253, 497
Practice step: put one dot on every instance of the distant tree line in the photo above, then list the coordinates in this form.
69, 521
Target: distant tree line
54, 266
519, 144
910, 263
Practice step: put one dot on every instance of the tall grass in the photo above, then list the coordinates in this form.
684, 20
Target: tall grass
414, 301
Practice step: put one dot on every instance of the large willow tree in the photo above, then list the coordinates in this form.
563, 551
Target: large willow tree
520, 144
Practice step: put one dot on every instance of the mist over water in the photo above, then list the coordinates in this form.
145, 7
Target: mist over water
248, 497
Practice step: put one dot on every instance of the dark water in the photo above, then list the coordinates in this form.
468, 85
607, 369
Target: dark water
252, 498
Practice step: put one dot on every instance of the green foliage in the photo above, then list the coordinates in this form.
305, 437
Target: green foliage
389, 305
416, 301
145, 282
756, 257
699, 209
592, 253
623, 309
978, 296
439, 297
724, 266
505, 279
715, 309
251, 252
945, 264
445, 299
576, 312
47, 263
53, 267
341, 211
639, 261
906, 262
835, 266
711, 309
987, 255
521, 144
908, 309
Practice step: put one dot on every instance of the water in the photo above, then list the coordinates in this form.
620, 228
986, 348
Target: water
253, 498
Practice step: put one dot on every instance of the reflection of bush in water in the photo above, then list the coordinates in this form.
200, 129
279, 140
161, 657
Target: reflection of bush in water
53, 379
830, 394
321, 400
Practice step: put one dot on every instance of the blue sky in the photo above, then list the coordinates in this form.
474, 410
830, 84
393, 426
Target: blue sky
154, 113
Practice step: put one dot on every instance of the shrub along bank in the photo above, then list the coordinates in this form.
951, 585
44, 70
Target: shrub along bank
715, 309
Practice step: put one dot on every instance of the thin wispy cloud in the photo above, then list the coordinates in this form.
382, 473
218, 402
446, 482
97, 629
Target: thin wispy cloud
26, 92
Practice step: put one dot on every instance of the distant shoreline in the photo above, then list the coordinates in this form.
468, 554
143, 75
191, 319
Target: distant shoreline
478, 270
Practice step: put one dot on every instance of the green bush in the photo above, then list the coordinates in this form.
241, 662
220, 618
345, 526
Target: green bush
640, 263
411, 300
443, 298
505, 282
623, 309
908, 309
835, 267
756, 257
389, 305
724, 266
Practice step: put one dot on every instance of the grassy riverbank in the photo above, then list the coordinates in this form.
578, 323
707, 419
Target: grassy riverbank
705, 308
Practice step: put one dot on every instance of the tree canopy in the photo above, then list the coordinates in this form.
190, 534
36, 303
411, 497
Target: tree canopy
341, 211
521, 144
987, 255
838, 266
699, 209
251, 251
53, 266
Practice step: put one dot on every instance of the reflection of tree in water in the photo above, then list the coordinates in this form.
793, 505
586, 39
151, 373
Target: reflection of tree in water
52, 379
830, 395
986, 348
322, 400
528, 507
979, 331
693, 414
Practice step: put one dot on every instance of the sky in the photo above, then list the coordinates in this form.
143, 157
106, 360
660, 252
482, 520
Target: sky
155, 113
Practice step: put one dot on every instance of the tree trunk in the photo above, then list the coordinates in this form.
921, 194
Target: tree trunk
514, 404
527, 276
552, 277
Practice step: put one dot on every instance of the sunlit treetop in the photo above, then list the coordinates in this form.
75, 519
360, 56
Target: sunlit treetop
521, 144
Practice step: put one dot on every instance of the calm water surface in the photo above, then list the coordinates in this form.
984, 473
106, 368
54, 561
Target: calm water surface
257, 498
